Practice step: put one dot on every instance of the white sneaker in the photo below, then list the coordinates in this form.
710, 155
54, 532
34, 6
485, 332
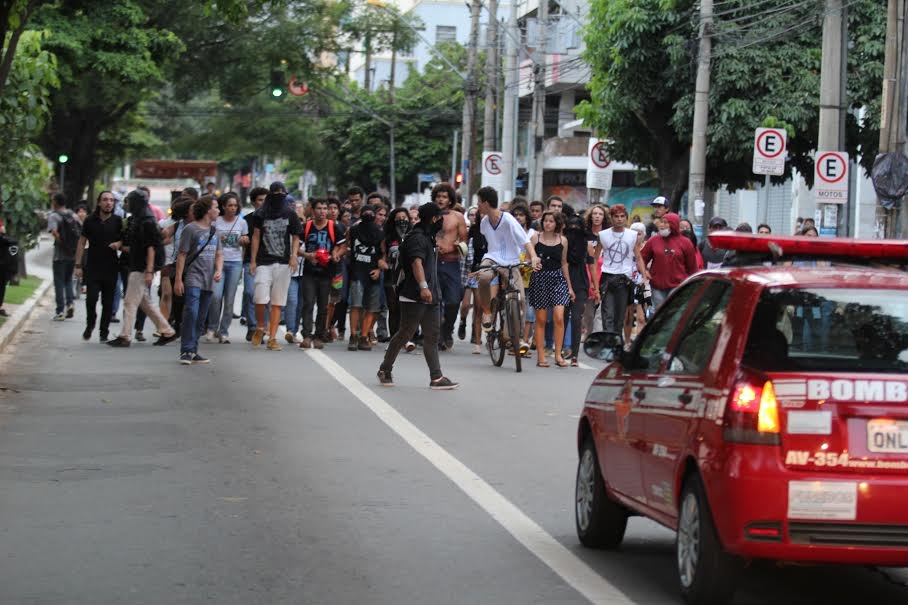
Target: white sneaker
210, 336
410, 346
477, 349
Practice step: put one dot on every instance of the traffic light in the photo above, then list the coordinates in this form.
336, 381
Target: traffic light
458, 178
277, 84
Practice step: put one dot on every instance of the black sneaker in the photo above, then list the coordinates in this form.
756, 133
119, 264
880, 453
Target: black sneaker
70, 311
364, 344
462, 329
351, 346
186, 358
443, 384
196, 358
449, 344
86, 335
119, 342
139, 336
163, 340
384, 378
249, 334
114, 320
102, 337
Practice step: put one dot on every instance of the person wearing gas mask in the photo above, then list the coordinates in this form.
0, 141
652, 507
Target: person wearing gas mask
276, 231
419, 298
670, 256
365, 275
324, 243
396, 228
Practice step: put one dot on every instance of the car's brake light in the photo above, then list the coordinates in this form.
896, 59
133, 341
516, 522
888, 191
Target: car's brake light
819, 247
752, 415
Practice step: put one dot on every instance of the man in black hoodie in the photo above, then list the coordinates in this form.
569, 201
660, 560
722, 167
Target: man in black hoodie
419, 298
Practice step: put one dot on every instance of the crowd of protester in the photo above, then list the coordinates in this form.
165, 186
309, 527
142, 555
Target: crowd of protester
359, 272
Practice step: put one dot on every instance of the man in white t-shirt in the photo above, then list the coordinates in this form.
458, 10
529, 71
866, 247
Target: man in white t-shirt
506, 239
619, 248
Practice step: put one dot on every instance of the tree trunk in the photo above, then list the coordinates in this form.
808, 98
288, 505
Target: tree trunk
673, 170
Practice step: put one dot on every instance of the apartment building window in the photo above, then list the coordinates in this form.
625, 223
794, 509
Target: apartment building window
445, 33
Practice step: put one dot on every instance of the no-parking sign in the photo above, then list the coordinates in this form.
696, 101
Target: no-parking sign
831, 177
769, 151
598, 172
493, 170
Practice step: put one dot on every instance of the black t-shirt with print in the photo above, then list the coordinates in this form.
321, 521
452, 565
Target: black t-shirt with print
418, 244
364, 257
318, 239
276, 227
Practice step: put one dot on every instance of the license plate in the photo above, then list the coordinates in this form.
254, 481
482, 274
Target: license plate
826, 500
887, 436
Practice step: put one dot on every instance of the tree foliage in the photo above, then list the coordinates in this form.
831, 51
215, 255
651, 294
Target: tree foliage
425, 111
765, 65
24, 106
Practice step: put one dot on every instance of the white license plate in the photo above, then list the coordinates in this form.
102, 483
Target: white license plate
887, 436
827, 500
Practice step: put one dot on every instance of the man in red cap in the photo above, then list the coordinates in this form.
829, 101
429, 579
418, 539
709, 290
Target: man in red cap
324, 243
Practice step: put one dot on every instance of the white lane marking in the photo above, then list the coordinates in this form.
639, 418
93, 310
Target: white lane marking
573, 570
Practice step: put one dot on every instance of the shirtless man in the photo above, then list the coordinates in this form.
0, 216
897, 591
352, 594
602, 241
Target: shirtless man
453, 231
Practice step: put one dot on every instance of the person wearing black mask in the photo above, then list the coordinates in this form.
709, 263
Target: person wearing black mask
365, 294
276, 233
396, 228
419, 299
580, 267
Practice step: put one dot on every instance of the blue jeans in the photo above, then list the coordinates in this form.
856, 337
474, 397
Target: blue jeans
195, 311
224, 292
294, 307
63, 283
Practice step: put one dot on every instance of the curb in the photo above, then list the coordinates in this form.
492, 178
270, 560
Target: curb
18, 319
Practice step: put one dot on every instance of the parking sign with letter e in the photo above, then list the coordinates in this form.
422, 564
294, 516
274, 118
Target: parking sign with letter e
831, 177
769, 151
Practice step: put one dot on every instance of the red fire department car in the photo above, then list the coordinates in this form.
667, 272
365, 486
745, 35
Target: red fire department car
761, 413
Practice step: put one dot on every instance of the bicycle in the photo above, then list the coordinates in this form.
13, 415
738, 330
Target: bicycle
507, 317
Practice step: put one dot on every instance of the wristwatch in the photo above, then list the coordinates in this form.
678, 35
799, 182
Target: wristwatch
423, 285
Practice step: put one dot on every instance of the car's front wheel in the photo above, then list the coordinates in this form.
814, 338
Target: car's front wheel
601, 521
707, 573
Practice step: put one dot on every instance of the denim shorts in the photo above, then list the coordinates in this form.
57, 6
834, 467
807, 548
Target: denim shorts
365, 295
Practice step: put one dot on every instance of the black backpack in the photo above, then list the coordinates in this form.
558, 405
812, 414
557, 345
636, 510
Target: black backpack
70, 232
9, 255
159, 258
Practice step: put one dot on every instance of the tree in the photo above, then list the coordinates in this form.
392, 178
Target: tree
24, 106
426, 110
14, 18
765, 65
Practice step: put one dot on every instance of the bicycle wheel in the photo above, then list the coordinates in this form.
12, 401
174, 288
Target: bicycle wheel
514, 328
495, 337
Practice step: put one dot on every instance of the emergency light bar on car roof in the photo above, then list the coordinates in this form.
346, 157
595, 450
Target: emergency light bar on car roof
801, 245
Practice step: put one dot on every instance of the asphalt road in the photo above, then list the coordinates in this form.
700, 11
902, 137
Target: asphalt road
291, 477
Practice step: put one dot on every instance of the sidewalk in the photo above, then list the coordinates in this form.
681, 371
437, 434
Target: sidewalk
38, 264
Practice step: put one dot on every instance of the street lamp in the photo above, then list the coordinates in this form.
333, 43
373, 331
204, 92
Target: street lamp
62, 159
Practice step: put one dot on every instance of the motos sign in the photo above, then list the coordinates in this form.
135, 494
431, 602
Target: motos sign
830, 185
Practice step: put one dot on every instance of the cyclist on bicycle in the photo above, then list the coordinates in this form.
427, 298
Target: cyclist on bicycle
506, 240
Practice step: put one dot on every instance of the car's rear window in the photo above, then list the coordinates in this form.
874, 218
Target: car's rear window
830, 329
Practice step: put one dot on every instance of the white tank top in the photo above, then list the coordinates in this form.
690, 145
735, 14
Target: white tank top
618, 251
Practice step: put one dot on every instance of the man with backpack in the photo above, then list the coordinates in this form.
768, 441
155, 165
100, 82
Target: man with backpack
324, 243
62, 224
146, 257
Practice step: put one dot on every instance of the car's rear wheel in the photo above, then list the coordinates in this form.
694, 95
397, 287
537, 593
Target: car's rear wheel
707, 573
600, 521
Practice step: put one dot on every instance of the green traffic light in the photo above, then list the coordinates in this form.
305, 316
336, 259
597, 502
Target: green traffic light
276, 92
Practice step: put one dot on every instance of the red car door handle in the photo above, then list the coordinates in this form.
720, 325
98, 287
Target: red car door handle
640, 393
685, 398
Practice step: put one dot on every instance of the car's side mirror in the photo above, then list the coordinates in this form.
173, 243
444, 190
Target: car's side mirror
604, 346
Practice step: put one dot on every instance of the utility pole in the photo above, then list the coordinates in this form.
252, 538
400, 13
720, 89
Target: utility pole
537, 126
367, 73
509, 120
489, 132
467, 142
892, 120
454, 158
392, 185
830, 135
696, 184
